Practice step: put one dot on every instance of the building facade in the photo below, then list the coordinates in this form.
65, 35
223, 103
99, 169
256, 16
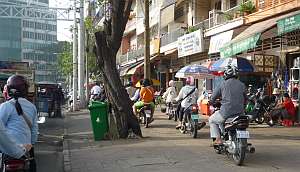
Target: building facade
32, 40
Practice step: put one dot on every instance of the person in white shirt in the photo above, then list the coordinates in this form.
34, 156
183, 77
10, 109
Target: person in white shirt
192, 91
170, 94
96, 91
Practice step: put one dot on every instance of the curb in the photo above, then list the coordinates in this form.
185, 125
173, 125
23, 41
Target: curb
66, 154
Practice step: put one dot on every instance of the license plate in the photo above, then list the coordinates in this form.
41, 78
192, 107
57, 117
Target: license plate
242, 134
196, 116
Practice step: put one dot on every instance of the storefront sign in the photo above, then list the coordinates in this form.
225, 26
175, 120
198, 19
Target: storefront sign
288, 24
218, 41
154, 46
190, 43
234, 48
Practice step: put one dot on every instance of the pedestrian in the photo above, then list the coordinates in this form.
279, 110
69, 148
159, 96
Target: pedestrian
96, 91
284, 111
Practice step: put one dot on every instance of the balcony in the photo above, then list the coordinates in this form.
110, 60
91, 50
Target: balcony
269, 8
217, 17
172, 36
132, 55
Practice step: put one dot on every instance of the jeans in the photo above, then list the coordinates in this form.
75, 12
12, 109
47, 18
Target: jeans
216, 123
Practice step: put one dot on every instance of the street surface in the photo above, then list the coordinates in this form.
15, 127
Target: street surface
48, 150
165, 149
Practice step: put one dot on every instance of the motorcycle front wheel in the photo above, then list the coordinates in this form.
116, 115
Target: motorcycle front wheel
240, 154
194, 129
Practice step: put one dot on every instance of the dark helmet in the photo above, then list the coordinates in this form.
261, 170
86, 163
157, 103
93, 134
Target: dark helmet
17, 86
146, 82
230, 72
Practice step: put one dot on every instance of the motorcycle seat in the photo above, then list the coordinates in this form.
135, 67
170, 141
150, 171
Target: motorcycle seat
235, 118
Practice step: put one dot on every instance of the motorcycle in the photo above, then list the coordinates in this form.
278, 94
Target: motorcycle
171, 111
145, 115
235, 139
9, 164
190, 123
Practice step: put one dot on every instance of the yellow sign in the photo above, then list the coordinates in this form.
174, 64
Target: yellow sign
154, 46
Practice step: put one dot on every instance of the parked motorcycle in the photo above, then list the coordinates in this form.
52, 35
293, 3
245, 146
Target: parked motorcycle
9, 164
235, 139
145, 115
190, 123
258, 107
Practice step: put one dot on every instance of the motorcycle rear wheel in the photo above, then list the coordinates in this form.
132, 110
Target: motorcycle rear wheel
239, 156
194, 130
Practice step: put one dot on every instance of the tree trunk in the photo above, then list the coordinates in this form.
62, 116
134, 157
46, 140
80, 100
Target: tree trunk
116, 93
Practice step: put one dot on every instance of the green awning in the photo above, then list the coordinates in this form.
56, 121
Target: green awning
239, 46
288, 24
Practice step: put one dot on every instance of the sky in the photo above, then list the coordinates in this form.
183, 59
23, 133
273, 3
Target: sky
63, 33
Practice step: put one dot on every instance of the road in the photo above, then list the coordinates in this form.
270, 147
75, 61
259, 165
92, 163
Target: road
48, 150
165, 149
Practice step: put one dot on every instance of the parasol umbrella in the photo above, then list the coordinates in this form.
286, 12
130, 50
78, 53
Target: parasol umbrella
155, 82
194, 70
242, 64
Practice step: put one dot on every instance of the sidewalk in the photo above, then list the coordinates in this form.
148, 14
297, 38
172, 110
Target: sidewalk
167, 150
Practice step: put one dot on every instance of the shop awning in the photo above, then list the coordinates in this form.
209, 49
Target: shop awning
219, 40
288, 24
249, 37
138, 67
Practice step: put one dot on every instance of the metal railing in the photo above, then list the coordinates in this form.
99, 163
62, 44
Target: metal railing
132, 55
171, 36
217, 17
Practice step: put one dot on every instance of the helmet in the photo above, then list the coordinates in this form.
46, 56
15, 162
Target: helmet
17, 86
190, 80
230, 72
146, 82
171, 83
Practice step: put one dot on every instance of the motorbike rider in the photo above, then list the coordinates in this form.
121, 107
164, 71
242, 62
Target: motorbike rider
146, 97
188, 101
9, 147
232, 92
19, 115
130, 89
170, 94
96, 91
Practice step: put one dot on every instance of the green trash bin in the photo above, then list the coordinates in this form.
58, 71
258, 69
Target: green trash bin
99, 119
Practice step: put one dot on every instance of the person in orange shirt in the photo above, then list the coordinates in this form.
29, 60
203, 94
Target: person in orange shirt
146, 96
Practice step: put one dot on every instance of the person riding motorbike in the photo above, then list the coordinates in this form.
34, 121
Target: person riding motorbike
96, 91
19, 115
130, 89
189, 88
170, 94
233, 94
9, 147
146, 97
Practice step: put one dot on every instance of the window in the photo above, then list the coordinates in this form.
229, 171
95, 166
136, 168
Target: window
233, 3
218, 5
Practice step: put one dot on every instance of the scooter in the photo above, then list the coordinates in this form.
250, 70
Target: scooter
9, 164
145, 115
190, 123
235, 139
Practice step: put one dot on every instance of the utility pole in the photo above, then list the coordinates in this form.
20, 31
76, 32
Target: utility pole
87, 91
81, 56
147, 73
75, 61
